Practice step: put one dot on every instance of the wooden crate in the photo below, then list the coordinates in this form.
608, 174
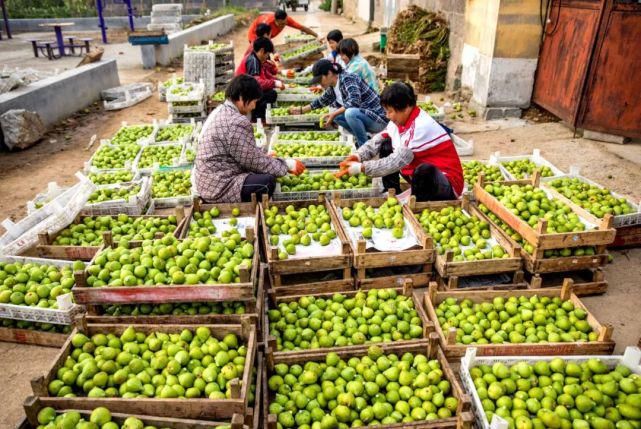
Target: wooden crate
604, 345
32, 337
539, 266
486, 283
627, 236
246, 289
252, 416
46, 248
274, 356
450, 270
246, 210
462, 420
403, 66
586, 282
32, 406
538, 237
279, 270
200, 408
364, 259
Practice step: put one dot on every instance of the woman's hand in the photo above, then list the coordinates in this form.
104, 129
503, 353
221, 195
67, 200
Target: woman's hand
351, 158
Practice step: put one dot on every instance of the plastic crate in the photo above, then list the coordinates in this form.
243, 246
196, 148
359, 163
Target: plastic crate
631, 359
321, 161
134, 205
310, 118
54, 215
129, 99
184, 139
300, 37
618, 221
317, 47
343, 136
105, 143
534, 157
162, 86
297, 96
121, 91
143, 140
209, 48
176, 118
181, 200
64, 315
52, 191
194, 108
374, 191
196, 92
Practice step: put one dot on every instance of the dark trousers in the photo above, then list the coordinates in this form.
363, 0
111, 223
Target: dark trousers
269, 97
259, 184
427, 181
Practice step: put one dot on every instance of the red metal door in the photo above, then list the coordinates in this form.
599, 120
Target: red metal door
565, 55
612, 101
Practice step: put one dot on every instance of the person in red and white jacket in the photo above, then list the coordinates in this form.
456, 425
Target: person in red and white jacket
256, 65
414, 145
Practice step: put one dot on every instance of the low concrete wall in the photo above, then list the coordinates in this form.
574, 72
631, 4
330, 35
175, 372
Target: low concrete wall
192, 36
82, 24
60, 96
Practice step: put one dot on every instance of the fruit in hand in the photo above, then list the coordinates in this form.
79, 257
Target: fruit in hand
531, 204
168, 184
131, 134
293, 228
308, 150
322, 182
471, 170
466, 236
108, 156
151, 365
515, 320
204, 260
388, 216
310, 135
88, 232
524, 168
545, 393
111, 178
163, 155
112, 193
377, 315
176, 309
174, 132
376, 389
35, 285
598, 201
550, 253
35, 326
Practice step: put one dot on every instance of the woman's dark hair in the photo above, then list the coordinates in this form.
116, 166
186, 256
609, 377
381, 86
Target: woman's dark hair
348, 47
398, 96
263, 30
263, 43
280, 14
245, 87
335, 35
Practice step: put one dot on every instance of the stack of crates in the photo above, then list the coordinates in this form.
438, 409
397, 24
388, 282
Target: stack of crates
212, 64
166, 17
186, 102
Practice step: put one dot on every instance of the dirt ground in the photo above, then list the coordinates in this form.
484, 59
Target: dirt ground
64, 151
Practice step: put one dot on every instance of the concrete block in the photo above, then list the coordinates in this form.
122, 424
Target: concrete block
60, 96
490, 113
148, 54
605, 137
511, 82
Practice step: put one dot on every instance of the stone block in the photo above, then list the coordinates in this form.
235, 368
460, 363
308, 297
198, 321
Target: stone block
605, 137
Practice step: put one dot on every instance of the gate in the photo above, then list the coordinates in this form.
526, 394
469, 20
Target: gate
589, 70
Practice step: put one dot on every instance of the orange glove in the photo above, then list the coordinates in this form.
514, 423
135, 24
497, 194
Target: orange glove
352, 168
295, 167
341, 173
352, 158
271, 153
291, 74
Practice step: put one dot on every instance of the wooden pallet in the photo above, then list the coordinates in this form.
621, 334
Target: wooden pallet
201, 408
274, 356
246, 210
32, 337
539, 267
604, 344
539, 237
451, 270
32, 406
462, 420
47, 249
364, 259
245, 290
282, 270
627, 236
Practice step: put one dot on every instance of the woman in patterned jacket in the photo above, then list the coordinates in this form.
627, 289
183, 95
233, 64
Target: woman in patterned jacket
229, 165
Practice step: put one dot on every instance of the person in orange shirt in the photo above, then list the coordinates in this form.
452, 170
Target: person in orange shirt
277, 21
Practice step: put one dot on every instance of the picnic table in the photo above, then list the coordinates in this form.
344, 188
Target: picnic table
57, 27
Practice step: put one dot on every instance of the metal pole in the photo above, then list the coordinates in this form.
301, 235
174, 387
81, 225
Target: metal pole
101, 22
130, 13
6, 19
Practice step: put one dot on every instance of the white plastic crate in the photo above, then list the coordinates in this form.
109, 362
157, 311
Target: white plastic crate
120, 91
320, 161
344, 136
258, 128
310, 118
631, 359
618, 221
196, 92
199, 107
317, 47
439, 115
61, 211
176, 118
53, 190
89, 165
167, 7
163, 86
375, 190
183, 140
66, 311
129, 99
492, 161
143, 140
132, 206
209, 48
147, 170
135, 174
169, 28
300, 37
297, 96
535, 157
181, 200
